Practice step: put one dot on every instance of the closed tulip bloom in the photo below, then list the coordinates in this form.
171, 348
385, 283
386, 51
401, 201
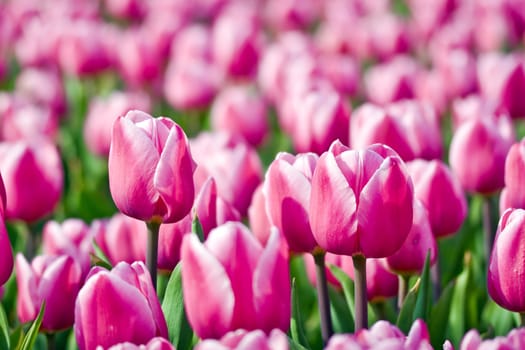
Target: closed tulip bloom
53, 279
35, 162
150, 168
118, 306
6, 255
252, 295
258, 217
485, 143
287, 190
438, 188
121, 238
242, 339
361, 201
504, 279
410, 258
157, 343
513, 195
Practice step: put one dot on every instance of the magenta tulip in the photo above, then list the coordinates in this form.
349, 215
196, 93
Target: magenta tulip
361, 201
55, 280
33, 178
126, 9
441, 193
258, 217
513, 195
287, 190
6, 254
252, 295
157, 343
150, 168
504, 278
242, 339
118, 306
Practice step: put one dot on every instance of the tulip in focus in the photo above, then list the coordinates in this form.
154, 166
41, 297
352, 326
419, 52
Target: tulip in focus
53, 279
118, 306
513, 195
150, 168
252, 295
242, 339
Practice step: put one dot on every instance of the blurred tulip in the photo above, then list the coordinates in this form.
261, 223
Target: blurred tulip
55, 280
242, 339
102, 113
258, 217
121, 238
252, 295
504, 273
126, 9
515, 339
513, 195
342, 71
409, 127
441, 193
287, 191
284, 15
118, 306
6, 255
150, 168
35, 162
240, 110
361, 201
484, 142
476, 107
71, 237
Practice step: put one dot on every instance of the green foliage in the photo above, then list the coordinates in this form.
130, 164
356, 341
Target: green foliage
297, 331
28, 341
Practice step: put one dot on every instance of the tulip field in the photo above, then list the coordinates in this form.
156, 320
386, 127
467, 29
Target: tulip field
262, 174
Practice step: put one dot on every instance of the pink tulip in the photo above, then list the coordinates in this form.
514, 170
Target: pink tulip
72, 237
121, 238
483, 142
240, 110
37, 43
410, 258
477, 107
504, 273
234, 165
36, 162
170, 241
150, 168
287, 191
290, 14
118, 306
258, 217
53, 279
252, 295
441, 193
458, 69
102, 113
409, 127
515, 339
242, 339
361, 201
513, 195
157, 343
126, 9
6, 254
342, 71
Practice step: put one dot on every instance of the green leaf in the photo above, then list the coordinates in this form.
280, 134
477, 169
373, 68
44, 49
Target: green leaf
29, 339
179, 329
4, 329
457, 317
424, 294
348, 287
296, 323
406, 314
439, 316
196, 227
341, 317
497, 319
16, 338
295, 345
99, 258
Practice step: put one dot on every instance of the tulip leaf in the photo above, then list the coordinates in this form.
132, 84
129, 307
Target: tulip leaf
4, 329
29, 339
99, 258
439, 316
293, 345
498, 320
341, 317
16, 338
424, 293
457, 317
196, 227
296, 323
180, 332
406, 313
348, 287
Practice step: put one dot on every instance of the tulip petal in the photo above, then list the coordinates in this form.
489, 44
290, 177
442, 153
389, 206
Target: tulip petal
203, 275
6, 255
27, 294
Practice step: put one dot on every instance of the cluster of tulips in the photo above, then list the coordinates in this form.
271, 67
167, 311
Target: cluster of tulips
262, 174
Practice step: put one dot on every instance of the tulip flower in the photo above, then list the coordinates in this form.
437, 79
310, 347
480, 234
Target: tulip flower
55, 280
258, 217
118, 306
127, 9
513, 195
241, 339
438, 189
6, 254
287, 192
252, 295
157, 343
35, 162
515, 339
504, 280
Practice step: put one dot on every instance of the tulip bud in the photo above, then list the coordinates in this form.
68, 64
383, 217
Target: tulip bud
6, 254
504, 281
157, 343
361, 202
258, 217
55, 280
118, 306
252, 295
242, 339
513, 195
150, 168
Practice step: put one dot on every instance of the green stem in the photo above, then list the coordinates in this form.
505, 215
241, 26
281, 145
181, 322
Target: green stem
361, 299
322, 297
522, 319
51, 341
152, 251
487, 227
402, 290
